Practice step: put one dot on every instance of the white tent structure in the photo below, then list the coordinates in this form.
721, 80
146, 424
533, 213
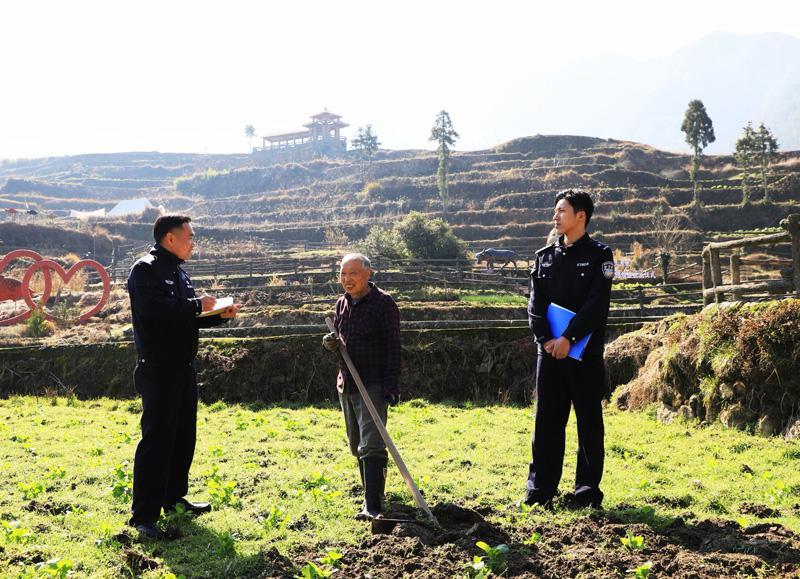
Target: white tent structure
130, 207
86, 215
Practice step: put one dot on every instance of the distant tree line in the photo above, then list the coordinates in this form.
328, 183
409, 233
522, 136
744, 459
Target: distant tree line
755, 150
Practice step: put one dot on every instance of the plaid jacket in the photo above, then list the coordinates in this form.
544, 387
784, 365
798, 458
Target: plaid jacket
370, 330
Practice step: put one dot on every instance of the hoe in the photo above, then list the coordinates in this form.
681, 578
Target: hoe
381, 525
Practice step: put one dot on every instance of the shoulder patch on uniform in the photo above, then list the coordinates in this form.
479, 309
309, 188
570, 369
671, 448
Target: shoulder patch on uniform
608, 269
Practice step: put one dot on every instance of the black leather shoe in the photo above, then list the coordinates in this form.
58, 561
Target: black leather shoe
537, 498
150, 530
583, 500
190, 507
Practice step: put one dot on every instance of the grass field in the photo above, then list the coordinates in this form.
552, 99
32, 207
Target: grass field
281, 477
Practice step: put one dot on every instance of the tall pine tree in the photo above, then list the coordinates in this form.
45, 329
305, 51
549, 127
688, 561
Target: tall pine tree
445, 135
699, 131
746, 156
766, 150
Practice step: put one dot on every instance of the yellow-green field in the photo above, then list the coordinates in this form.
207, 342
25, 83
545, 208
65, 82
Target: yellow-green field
281, 477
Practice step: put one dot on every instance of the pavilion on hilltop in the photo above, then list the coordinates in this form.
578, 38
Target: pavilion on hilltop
320, 137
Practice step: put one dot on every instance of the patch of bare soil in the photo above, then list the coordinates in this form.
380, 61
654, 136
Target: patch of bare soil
590, 547
49, 507
137, 561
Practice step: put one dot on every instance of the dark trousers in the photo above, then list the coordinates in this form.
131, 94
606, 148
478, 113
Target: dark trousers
559, 385
362, 434
169, 426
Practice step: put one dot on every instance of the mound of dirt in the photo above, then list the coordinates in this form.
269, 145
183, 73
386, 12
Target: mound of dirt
737, 363
625, 355
590, 547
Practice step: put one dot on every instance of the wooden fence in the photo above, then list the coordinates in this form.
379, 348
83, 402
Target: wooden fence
402, 274
784, 281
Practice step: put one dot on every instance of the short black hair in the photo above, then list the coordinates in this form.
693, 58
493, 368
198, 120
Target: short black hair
580, 201
167, 223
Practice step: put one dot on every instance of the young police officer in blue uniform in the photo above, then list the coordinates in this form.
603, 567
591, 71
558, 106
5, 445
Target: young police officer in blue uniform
165, 310
574, 272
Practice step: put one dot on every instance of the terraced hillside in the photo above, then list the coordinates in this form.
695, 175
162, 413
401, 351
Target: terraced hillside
500, 197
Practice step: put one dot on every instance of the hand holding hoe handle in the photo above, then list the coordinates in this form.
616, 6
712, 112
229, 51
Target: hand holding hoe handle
398, 460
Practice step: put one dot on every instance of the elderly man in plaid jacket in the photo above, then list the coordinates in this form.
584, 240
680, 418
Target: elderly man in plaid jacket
368, 321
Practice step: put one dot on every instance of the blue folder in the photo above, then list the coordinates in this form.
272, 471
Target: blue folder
559, 318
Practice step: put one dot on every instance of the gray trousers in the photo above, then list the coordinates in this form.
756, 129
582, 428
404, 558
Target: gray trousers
362, 434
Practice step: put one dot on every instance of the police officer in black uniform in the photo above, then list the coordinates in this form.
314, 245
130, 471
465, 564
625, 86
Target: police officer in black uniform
574, 272
165, 310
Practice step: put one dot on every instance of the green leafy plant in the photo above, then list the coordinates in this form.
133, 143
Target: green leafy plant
742, 522
319, 486
14, 533
332, 558
494, 561
642, 571
30, 490
220, 492
54, 568
528, 510
312, 571
124, 438
65, 314
534, 538
632, 542
122, 482
176, 518
276, 518
106, 538
422, 481
55, 472
293, 425
37, 325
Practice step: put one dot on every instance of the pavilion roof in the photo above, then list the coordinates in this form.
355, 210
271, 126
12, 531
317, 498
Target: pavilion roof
325, 116
286, 136
327, 124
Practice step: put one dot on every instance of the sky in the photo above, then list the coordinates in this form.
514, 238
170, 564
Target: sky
173, 76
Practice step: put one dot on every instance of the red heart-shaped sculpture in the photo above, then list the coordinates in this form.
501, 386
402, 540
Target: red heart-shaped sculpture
47, 264
8, 258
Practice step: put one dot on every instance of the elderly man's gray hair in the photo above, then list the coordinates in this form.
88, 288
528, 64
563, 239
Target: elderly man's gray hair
360, 256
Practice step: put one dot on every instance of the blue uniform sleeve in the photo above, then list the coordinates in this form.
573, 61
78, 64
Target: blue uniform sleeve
537, 307
211, 321
150, 299
594, 312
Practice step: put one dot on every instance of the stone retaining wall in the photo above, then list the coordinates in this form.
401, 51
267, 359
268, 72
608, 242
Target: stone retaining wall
480, 365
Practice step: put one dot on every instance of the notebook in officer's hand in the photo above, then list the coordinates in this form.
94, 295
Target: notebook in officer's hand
220, 306
558, 318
